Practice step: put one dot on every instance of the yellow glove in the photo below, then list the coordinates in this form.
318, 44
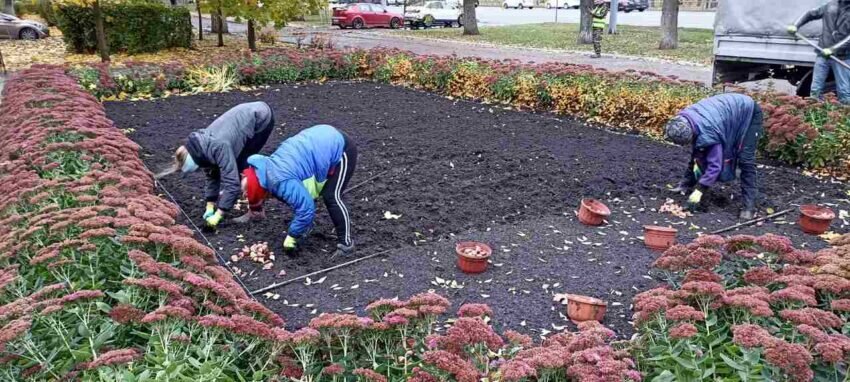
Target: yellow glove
289, 243
213, 220
792, 29
695, 197
209, 211
827, 52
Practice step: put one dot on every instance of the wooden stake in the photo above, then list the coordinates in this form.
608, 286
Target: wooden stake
751, 222
290, 281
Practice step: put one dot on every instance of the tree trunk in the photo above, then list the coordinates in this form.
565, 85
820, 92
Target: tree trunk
220, 22
669, 25
585, 35
100, 32
470, 22
252, 36
9, 7
215, 24
200, 21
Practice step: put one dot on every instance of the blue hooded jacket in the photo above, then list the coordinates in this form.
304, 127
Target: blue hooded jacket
721, 122
297, 171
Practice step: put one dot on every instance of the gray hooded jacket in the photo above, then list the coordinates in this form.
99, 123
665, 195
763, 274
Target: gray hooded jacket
223, 148
836, 26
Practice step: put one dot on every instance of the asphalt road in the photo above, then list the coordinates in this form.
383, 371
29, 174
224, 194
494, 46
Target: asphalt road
493, 16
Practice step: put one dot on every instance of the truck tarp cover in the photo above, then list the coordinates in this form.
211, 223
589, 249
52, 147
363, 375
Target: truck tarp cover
764, 17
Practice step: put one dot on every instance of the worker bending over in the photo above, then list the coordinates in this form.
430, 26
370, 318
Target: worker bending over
222, 150
318, 161
724, 131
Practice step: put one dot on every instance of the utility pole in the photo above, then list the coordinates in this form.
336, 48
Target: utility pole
612, 25
556, 11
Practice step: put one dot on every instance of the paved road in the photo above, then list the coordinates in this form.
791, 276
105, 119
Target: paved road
367, 39
493, 16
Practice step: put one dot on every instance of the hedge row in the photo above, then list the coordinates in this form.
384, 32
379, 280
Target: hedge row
131, 27
799, 131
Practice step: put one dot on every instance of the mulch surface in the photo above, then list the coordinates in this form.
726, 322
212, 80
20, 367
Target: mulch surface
457, 170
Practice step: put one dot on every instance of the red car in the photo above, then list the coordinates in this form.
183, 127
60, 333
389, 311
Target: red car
363, 15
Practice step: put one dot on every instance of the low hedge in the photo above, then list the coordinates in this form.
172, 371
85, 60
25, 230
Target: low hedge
130, 27
798, 131
42, 8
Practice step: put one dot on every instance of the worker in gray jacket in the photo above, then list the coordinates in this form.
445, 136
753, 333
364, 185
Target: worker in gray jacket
222, 150
834, 42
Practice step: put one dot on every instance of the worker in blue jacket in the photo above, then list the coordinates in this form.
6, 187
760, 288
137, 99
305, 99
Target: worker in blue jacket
318, 161
724, 131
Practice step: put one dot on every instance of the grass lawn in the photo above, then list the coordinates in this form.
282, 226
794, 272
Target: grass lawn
695, 45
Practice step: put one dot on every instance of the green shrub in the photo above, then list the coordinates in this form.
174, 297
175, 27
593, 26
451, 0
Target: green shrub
134, 28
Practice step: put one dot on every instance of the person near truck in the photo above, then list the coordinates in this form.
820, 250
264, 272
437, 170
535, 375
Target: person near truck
222, 150
724, 132
318, 161
833, 43
600, 22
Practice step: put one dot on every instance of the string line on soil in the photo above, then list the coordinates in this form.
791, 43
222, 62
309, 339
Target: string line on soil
198, 230
292, 280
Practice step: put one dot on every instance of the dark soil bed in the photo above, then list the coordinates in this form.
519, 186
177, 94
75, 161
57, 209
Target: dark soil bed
464, 170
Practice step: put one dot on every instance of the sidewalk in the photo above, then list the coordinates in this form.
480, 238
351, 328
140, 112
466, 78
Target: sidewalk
368, 39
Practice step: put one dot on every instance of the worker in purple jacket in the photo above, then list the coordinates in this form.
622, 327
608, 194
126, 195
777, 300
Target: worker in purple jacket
724, 131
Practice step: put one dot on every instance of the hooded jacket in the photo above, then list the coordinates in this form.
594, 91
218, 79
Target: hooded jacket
297, 171
836, 26
216, 149
720, 124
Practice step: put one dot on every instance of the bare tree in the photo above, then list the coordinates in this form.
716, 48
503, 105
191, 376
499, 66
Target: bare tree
200, 20
219, 21
585, 35
252, 36
100, 32
470, 22
669, 25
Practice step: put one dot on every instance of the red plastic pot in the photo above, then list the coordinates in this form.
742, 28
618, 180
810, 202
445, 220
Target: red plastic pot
472, 256
815, 219
659, 238
584, 308
593, 212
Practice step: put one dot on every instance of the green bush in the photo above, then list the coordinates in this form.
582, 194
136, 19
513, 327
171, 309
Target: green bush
134, 28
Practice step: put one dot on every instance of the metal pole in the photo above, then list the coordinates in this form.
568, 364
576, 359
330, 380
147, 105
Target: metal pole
751, 222
819, 49
612, 26
556, 11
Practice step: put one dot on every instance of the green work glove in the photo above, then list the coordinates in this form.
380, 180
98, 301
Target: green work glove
697, 172
827, 52
210, 211
213, 220
792, 30
694, 200
290, 244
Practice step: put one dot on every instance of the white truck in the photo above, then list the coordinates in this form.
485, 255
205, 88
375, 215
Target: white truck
751, 42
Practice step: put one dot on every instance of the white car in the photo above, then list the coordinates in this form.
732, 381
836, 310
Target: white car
575, 4
434, 13
518, 4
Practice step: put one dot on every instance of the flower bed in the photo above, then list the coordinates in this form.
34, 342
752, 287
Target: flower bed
746, 308
799, 131
99, 283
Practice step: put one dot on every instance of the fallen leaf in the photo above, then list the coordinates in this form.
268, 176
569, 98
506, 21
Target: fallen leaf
389, 215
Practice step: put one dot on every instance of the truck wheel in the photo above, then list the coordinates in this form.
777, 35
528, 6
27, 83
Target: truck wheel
804, 88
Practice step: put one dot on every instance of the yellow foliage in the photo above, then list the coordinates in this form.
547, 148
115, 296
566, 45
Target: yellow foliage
469, 81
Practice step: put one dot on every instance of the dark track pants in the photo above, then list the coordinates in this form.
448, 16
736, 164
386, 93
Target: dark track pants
747, 160
332, 193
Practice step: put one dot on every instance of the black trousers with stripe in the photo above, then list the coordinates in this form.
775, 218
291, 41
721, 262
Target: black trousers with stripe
332, 193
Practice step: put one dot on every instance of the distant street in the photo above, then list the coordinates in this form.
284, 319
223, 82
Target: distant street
493, 16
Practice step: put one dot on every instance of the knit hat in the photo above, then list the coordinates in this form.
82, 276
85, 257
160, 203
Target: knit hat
253, 190
679, 131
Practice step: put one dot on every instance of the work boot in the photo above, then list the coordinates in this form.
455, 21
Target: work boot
250, 216
747, 214
595, 56
343, 251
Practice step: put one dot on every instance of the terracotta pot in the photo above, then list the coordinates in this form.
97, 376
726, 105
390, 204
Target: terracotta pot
584, 308
815, 219
472, 264
659, 238
592, 212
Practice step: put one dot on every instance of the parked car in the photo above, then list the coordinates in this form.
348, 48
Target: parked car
574, 4
365, 15
633, 5
334, 4
434, 13
14, 28
518, 4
